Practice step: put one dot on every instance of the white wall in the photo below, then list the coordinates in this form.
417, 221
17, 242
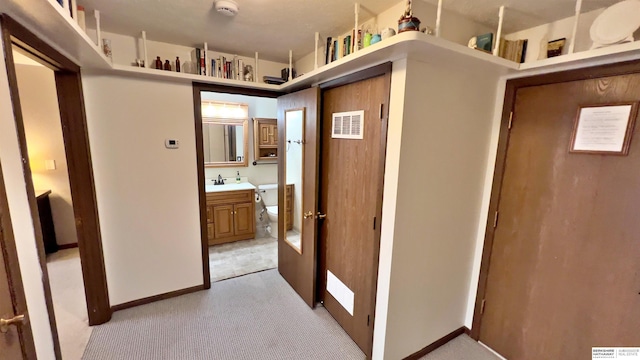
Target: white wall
22, 222
147, 195
258, 107
39, 100
440, 177
126, 49
556, 30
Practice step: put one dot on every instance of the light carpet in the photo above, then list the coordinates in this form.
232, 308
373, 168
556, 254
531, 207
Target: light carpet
461, 348
69, 305
256, 316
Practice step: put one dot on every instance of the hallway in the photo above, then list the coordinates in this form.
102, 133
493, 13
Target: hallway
256, 316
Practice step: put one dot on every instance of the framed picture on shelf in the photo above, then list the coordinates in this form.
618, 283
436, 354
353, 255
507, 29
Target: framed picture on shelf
554, 48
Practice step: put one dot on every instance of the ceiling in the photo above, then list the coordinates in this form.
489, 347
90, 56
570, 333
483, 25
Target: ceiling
273, 27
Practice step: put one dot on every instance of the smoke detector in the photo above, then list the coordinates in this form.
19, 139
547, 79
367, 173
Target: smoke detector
227, 7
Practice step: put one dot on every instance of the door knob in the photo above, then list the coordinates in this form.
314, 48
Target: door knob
321, 216
308, 214
16, 320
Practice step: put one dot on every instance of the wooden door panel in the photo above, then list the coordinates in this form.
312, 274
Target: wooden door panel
300, 269
211, 234
18, 342
351, 184
223, 221
273, 131
210, 216
264, 134
565, 252
9, 342
243, 221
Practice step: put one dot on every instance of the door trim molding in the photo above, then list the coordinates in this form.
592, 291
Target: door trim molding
438, 343
512, 86
77, 150
202, 195
365, 74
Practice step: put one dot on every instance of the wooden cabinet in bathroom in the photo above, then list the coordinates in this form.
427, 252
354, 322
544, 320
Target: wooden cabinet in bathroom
230, 216
265, 133
288, 203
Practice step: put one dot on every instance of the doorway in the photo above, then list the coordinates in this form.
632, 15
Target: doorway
68, 96
562, 256
239, 178
48, 165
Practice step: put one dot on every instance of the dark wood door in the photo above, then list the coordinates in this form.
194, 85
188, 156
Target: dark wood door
243, 219
17, 341
299, 269
351, 197
563, 273
223, 221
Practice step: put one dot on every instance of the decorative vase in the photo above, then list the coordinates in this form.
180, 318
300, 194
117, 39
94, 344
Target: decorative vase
408, 22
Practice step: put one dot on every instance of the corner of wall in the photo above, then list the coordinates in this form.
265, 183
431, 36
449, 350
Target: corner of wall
486, 198
391, 180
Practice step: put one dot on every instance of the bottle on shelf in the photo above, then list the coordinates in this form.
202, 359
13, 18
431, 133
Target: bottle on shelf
167, 65
158, 63
177, 64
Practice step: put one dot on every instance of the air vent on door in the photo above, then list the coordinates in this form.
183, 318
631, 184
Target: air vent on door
348, 125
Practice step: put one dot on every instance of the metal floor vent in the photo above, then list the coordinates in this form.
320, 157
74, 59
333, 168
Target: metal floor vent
348, 125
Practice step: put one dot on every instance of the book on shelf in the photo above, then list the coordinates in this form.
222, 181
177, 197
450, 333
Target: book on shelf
195, 59
199, 59
356, 41
327, 51
338, 47
485, 42
347, 45
204, 63
514, 50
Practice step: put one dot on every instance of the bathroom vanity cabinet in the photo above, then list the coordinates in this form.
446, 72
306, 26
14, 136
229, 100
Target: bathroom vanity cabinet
230, 216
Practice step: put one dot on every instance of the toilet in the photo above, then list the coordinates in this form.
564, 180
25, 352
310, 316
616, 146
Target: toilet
269, 194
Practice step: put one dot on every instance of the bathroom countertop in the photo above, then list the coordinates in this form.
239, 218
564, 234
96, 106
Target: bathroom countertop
229, 187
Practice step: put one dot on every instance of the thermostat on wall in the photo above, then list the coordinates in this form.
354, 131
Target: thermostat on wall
171, 144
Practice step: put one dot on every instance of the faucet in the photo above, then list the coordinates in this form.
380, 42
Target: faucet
220, 180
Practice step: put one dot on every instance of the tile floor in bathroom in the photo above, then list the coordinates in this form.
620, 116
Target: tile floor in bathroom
242, 257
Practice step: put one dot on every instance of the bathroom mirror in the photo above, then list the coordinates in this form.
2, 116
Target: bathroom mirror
225, 142
294, 163
225, 133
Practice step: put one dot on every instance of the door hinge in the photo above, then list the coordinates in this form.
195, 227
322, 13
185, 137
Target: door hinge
495, 219
368, 319
482, 307
374, 222
381, 107
510, 120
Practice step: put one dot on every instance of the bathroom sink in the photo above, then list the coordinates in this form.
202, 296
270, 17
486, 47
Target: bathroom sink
229, 187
